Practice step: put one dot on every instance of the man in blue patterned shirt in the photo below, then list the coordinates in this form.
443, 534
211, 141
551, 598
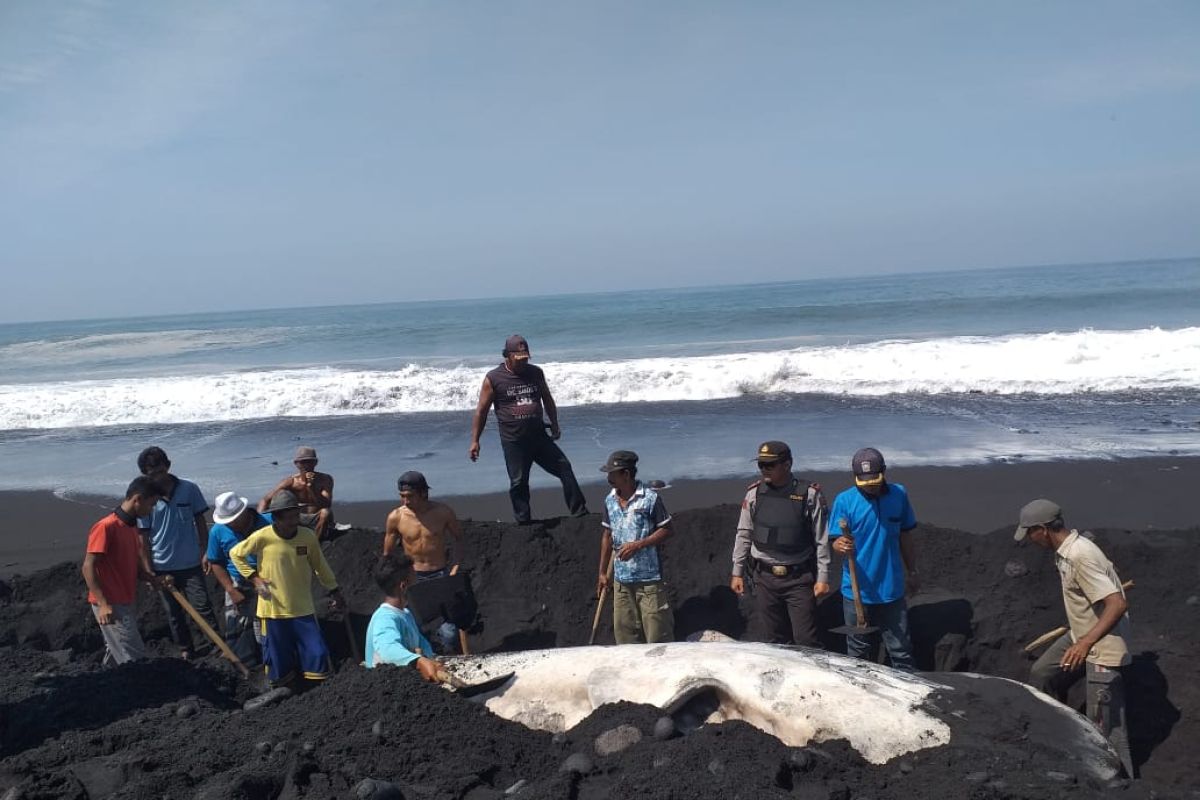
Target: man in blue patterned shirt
635, 523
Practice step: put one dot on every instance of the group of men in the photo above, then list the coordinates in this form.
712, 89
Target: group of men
265, 557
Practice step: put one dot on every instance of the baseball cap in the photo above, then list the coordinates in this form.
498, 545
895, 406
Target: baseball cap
770, 452
305, 454
868, 466
412, 480
228, 507
516, 346
619, 460
1037, 512
283, 501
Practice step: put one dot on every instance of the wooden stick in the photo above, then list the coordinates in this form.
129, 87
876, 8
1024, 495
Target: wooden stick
600, 604
1050, 636
462, 642
859, 613
1045, 638
208, 631
350, 635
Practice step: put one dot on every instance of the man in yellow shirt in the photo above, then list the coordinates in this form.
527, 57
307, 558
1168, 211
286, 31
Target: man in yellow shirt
287, 556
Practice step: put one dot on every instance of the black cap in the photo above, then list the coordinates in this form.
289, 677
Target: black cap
620, 459
771, 452
412, 480
516, 346
868, 466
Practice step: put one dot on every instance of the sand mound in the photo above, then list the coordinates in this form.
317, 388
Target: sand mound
164, 728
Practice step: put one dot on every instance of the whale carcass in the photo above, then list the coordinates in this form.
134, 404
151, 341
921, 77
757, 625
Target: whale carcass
798, 695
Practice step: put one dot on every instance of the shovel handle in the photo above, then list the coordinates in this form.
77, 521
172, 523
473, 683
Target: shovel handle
1050, 636
859, 614
600, 605
208, 631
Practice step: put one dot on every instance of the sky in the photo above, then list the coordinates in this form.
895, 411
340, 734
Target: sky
190, 156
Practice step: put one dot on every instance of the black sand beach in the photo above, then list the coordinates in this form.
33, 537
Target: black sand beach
166, 729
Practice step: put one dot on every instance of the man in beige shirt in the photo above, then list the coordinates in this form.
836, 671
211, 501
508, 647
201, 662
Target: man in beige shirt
1097, 642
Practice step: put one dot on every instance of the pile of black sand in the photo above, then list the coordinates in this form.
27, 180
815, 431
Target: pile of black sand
168, 729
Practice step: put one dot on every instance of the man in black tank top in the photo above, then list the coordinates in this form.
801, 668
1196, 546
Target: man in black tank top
519, 393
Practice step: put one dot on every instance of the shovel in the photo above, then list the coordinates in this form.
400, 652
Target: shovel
208, 631
600, 605
459, 686
862, 628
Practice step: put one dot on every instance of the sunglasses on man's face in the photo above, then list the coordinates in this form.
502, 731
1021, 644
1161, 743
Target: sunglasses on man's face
766, 465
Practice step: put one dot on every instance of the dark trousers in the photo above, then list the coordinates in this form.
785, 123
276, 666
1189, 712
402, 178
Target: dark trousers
242, 626
786, 608
520, 455
1105, 694
195, 588
892, 621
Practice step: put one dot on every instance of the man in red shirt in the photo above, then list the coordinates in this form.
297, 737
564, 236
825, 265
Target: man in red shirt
115, 560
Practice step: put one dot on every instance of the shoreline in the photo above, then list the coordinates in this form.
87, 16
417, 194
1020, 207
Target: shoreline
39, 528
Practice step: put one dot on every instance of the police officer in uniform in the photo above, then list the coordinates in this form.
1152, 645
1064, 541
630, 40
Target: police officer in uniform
782, 541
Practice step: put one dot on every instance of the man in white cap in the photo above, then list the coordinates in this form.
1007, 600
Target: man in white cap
1097, 642
233, 520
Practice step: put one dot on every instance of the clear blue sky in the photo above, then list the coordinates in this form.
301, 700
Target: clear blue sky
181, 156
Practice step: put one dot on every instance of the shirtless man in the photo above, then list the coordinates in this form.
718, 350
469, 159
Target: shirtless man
430, 535
313, 489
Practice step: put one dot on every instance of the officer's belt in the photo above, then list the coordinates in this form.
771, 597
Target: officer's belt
781, 570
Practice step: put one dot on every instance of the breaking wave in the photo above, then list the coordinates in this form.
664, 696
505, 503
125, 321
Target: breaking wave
1049, 363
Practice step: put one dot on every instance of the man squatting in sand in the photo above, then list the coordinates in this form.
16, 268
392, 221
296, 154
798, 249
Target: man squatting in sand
881, 520
233, 520
781, 536
635, 524
430, 535
518, 390
177, 534
287, 556
393, 636
1097, 642
114, 561
313, 489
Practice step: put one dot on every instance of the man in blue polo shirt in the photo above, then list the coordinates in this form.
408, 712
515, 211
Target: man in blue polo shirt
177, 533
634, 525
880, 521
233, 520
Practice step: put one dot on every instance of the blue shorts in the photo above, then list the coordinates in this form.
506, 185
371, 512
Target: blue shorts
295, 646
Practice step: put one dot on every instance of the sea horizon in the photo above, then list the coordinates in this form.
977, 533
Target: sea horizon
948, 367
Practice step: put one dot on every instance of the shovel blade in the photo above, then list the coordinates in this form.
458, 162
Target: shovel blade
472, 689
854, 630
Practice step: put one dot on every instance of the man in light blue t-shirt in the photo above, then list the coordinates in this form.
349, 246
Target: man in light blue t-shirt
393, 636
177, 533
880, 521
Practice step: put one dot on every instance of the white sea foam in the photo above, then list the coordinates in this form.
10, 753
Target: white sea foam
1051, 363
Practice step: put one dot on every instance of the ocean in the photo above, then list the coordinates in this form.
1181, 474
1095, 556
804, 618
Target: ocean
1001, 365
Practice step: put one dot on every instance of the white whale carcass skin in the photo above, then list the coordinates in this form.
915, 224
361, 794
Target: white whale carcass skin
798, 695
